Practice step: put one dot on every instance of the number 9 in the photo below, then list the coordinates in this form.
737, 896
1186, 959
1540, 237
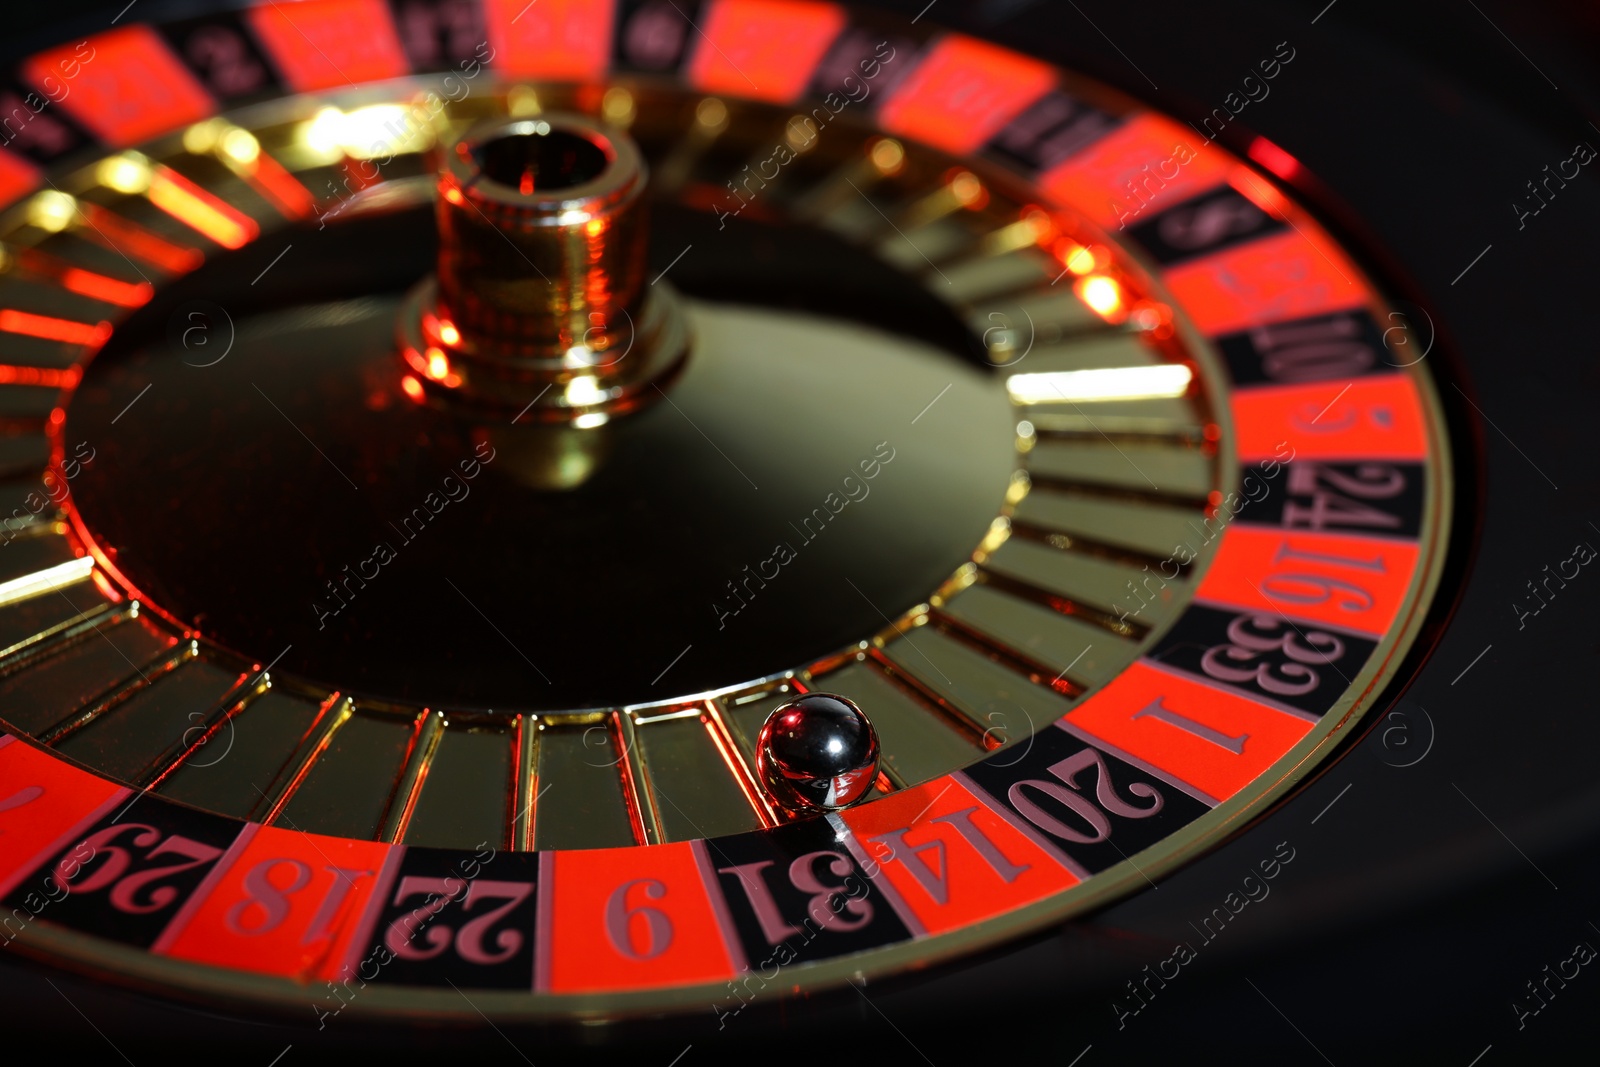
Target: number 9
619, 919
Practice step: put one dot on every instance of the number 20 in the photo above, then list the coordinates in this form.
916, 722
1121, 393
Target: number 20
1105, 793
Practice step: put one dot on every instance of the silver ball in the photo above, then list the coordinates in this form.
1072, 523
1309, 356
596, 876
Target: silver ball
817, 752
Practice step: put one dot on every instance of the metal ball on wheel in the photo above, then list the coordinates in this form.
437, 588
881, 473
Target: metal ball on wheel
818, 752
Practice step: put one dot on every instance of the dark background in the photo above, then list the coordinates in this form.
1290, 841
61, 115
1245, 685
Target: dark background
1424, 898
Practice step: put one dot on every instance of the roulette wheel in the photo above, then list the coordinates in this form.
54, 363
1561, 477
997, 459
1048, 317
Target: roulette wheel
640, 528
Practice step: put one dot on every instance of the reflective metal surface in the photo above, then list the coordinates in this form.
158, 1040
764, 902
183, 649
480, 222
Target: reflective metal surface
818, 752
782, 504
539, 305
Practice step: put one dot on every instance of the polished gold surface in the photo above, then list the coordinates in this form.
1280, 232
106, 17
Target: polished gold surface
1107, 477
539, 301
1107, 471
543, 229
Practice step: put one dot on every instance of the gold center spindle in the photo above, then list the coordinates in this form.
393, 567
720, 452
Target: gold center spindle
543, 231
540, 294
